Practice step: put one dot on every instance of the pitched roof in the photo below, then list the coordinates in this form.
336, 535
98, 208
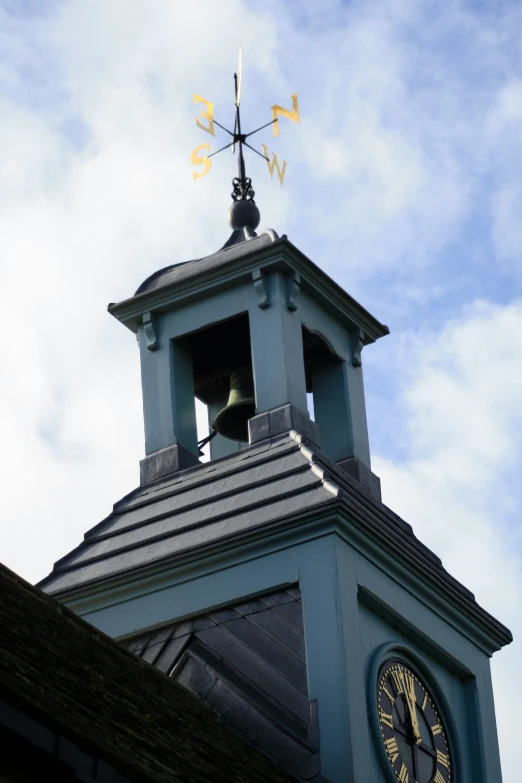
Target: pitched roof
276, 484
83, 686
232, 497
237, 261
176, 273
247, 662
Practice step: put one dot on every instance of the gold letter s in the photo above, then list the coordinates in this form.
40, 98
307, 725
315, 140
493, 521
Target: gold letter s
199, 160
274, 164
206, 115
290, 115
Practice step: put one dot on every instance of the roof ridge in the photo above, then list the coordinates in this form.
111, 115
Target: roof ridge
315, 463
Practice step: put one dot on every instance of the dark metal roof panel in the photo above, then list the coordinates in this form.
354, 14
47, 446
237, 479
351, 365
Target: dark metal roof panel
200, 507
274, 484
224, 493
262, 453
119, 559
155, 292
248, 662
133, 535
178, 272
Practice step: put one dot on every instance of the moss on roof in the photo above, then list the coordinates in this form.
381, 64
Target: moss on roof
60, 670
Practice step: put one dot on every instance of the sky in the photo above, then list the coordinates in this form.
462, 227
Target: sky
403, 182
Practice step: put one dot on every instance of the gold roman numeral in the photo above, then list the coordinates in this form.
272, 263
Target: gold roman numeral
392, 748
443, 759
403, 773
424, 702
388, 694
404, 683
385, 718
436, 729
398, 679
409, 688
438, 777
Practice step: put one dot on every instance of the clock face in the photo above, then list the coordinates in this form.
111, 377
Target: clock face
413, 733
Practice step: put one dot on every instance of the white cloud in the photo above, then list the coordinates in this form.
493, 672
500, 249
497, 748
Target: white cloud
502, 134
96, 193
459, 484
410, 128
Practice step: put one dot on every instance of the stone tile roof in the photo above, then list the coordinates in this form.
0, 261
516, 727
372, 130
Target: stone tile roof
84, 689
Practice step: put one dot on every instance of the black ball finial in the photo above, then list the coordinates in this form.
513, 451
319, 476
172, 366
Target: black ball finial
243, 214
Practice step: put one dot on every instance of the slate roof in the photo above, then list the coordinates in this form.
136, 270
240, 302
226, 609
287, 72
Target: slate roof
275, 484
248, 662
177, 272
93, 703
238, 259
230, 498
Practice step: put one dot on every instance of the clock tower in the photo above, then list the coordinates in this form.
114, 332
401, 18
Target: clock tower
271, 580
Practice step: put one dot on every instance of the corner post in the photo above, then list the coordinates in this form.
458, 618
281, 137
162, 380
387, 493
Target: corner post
167, 380
340, 409
277, 344
326, 656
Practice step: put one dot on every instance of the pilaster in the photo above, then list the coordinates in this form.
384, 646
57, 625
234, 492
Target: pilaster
277, 344
340, 409
169, 409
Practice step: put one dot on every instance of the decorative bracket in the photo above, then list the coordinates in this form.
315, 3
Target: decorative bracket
294, 283
150, 332
357, 340
260, 288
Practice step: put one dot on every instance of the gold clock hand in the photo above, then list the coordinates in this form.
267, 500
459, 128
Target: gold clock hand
404, 684
409, 690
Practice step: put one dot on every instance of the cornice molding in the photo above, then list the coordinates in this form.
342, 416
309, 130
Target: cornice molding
235, 270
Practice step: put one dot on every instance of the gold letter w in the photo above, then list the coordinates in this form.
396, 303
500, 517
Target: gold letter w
274, 164
290, 115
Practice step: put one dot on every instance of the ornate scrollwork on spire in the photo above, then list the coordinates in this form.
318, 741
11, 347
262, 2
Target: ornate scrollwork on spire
242, 189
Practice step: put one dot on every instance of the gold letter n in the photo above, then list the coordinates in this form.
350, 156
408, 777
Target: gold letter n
290, 115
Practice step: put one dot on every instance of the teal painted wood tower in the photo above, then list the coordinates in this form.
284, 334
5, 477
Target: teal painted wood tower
271, 580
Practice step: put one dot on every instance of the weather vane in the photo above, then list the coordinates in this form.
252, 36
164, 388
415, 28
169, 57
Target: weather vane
242, 184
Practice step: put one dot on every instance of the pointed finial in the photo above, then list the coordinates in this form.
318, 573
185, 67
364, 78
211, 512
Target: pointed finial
243, 215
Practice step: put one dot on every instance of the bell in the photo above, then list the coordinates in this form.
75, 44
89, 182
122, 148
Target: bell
232, 421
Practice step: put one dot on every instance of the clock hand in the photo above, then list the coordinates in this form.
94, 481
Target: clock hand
406, 685
427, 749
409, 691
417, 737
415, 761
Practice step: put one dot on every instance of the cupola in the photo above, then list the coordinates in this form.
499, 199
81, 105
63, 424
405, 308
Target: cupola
250, 330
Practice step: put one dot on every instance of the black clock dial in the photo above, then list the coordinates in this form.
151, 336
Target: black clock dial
412, 730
